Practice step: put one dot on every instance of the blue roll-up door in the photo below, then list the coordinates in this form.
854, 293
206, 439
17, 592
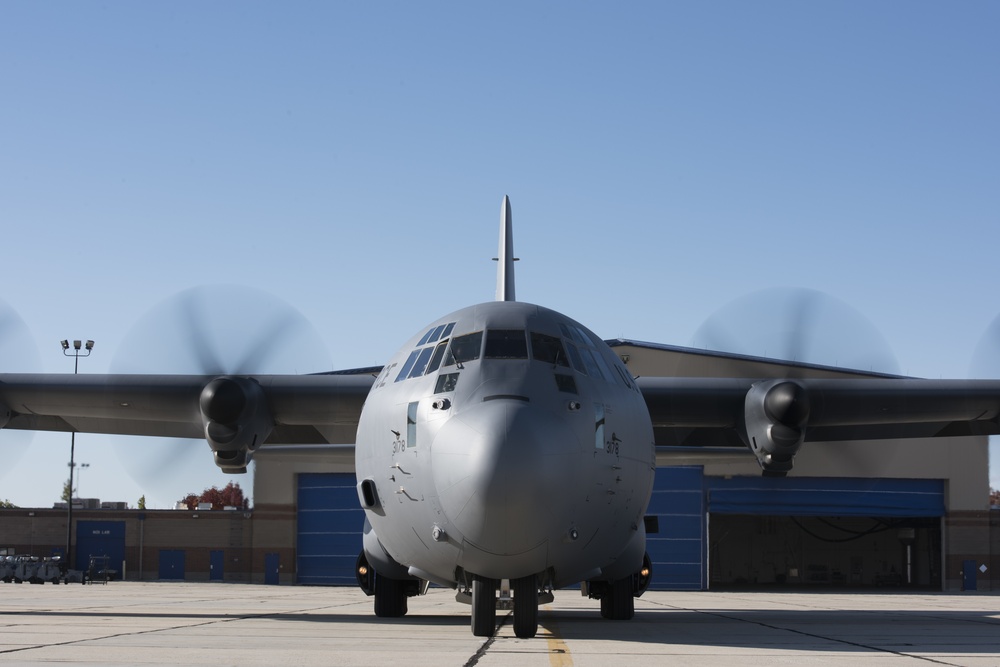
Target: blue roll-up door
825, 496
682, 497
330, 524
100, 538
678, 549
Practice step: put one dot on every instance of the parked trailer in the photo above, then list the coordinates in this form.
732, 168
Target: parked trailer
33, 569
48, 570
25, 568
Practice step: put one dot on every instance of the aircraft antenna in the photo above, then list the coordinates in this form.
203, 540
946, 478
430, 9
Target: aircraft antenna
505, 255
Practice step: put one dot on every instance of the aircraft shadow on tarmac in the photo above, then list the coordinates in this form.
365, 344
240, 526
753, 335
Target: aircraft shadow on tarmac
852, 630
943, 631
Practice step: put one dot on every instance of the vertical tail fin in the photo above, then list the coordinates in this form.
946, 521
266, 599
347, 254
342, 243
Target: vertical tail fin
505, 255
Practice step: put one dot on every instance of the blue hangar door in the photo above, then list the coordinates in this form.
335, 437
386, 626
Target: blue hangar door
807, 530
824, 531
677, 550
330, 524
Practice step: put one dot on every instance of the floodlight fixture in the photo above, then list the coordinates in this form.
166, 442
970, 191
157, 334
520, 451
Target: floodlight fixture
76, 354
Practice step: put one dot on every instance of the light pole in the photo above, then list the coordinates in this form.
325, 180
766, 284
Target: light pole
76, 353
79, 473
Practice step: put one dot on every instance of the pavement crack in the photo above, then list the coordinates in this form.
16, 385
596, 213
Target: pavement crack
471, 662
137, 633
814, 635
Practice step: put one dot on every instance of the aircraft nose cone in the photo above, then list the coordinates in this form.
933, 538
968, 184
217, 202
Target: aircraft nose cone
500, 470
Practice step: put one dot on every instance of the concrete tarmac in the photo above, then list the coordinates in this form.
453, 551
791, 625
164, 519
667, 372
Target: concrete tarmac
160, 623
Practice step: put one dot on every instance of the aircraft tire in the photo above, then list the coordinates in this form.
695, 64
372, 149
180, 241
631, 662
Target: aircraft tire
525, 591
390, 598
618, 603
484, 606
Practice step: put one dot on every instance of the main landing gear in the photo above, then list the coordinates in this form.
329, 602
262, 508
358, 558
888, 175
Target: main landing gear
390, 594
617, 603
390, 597
618, 596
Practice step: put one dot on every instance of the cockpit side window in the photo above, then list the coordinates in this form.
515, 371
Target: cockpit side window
574, 355
405, 370
506, 344
446, 382
548, 349
573, 333
421, 362
438, 356
435, 334
464, 348
625, 377
588, 361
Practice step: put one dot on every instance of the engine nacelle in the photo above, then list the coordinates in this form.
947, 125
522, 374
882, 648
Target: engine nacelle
237, 420
775, 416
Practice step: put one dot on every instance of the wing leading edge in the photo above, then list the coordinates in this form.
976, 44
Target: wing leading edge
774, 417
235, 414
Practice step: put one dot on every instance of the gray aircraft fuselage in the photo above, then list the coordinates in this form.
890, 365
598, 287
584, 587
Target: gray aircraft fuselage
506, 440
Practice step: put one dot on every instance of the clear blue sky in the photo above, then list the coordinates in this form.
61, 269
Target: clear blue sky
663, 159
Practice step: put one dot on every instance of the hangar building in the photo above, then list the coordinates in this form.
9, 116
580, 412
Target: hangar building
911, 513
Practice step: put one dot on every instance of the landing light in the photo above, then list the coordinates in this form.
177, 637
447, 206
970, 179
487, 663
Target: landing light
363, 570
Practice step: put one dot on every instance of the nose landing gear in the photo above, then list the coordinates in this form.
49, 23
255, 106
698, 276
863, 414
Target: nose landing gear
484, 606
525, 591
485, 602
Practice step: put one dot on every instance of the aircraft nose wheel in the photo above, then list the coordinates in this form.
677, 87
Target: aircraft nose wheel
484, 606
525, 591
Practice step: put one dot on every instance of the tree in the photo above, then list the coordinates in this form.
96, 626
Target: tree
142, 502
67, 494
230, 496
6, 504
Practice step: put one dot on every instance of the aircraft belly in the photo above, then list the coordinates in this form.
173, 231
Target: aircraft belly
506, 566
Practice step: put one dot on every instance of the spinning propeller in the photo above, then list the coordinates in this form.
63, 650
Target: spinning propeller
212, 330
798, 325
986, 356
18, 354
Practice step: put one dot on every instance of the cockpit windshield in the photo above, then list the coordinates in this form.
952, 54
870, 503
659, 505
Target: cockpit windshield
548, 349
506, 344
464, 348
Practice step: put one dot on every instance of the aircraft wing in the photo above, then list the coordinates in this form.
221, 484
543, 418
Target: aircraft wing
236, 414
774, 417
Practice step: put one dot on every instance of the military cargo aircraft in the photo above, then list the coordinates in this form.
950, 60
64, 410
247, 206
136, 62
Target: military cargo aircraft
504, 451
